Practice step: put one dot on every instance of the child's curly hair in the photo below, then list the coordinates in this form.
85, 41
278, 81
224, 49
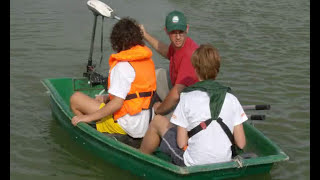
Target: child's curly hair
125, 34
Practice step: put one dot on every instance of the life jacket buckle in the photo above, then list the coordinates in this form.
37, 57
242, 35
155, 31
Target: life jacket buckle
203, 125
138, 94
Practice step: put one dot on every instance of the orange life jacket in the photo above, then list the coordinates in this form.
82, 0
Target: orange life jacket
144, 83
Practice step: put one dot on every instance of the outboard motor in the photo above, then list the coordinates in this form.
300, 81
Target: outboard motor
99, 9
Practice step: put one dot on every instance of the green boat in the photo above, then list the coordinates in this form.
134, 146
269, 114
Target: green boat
117, 150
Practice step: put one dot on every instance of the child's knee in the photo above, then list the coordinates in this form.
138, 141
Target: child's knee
74, 98
160, 124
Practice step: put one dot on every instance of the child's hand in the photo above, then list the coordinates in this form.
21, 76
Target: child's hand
76, 119
100, 98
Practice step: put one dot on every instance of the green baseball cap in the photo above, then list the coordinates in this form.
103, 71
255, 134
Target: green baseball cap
176, 20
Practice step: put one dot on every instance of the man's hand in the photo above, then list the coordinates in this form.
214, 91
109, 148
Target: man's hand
155, 106
170, 101
142, 30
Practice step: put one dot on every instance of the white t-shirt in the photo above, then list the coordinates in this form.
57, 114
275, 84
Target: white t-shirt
121, 77
211, 145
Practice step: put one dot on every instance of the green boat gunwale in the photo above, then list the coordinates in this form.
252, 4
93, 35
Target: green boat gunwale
110, 141
279, 156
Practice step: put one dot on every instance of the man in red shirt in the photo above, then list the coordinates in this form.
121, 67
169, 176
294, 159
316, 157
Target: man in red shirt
179, 52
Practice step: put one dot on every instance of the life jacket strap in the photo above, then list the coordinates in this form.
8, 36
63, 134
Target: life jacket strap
234, 147
141, 94
226, 130
154, 98
203, 125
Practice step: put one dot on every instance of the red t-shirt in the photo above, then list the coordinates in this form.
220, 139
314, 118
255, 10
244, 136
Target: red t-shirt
180, 68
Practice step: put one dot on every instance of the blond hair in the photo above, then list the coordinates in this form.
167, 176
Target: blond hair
206, 61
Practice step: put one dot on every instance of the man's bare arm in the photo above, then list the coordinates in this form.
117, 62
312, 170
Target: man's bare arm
159, 46
170, 101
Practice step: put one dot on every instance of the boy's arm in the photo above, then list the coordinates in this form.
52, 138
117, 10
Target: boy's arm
239, 136
112, 106
182, 137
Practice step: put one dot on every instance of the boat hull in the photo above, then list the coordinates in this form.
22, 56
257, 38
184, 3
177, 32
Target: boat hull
154, 166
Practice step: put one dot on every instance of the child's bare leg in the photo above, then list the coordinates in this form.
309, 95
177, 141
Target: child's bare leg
157, 128
82, 104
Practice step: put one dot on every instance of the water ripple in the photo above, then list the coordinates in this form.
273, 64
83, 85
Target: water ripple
265, 52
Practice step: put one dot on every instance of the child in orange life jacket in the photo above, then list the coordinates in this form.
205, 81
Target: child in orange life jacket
131, 83
205, 100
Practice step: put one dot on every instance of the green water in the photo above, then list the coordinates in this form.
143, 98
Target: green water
265, 49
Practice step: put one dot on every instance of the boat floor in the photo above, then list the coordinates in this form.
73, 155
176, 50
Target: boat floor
133, 142
126, 139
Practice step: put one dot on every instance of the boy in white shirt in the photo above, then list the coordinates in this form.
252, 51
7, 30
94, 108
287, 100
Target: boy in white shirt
205, 100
